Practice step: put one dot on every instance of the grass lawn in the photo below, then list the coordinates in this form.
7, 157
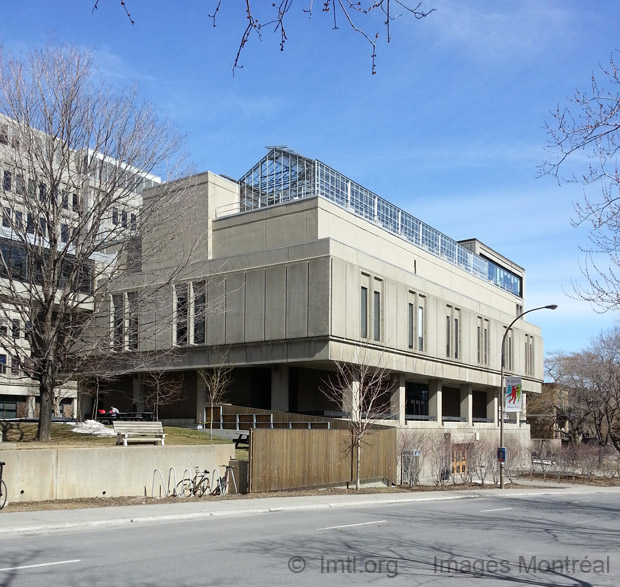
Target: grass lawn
24, 433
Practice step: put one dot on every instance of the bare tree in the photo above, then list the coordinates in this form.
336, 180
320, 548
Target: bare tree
162, 388
591, 379
361, 388
590, 126
216, 380
360, 16
482, 458
440, 456
76, 156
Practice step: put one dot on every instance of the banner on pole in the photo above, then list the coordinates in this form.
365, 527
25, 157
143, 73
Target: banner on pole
513, 399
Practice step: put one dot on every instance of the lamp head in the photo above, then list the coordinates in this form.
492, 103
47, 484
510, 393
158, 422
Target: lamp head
551, 307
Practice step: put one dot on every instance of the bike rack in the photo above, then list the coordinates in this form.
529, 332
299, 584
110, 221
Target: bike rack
161, 477
174, 485
219, 480
187, 476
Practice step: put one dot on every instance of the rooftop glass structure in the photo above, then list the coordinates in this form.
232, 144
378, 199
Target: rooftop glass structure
283, 175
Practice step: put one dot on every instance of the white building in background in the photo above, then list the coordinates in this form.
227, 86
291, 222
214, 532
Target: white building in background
24, 196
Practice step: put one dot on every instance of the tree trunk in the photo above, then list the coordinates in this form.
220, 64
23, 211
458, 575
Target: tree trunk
44, 432
211, 421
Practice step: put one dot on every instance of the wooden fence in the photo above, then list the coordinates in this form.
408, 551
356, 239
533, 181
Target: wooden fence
297, 459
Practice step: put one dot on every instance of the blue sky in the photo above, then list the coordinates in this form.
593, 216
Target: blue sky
451, 127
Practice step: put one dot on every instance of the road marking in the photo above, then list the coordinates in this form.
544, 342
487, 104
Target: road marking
353, 525
496, 510
40, 565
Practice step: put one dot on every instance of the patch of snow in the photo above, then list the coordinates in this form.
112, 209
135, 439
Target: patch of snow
93, 427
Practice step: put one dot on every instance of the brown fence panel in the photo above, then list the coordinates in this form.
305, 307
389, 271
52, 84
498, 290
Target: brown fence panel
294, 459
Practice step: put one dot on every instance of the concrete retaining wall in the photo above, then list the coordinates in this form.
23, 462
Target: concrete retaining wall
67, 473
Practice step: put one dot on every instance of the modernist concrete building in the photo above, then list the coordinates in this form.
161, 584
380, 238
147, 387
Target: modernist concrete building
295, 267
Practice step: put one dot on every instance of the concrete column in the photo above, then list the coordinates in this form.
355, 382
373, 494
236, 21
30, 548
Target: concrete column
201, 399
397, 401
492, 407
30, 405
467, 403
435, 399
351, 399
137, 393
74, 408
279, 388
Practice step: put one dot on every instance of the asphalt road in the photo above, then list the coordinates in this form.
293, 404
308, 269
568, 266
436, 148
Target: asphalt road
542, 540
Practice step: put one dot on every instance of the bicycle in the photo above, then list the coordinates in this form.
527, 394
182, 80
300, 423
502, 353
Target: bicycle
221, 488
196, 487
3, 490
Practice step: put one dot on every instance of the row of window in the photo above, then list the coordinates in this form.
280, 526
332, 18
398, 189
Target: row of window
15, 221
32, 188
15, 328
124, 219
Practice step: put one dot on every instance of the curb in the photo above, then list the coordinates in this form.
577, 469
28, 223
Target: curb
66, 526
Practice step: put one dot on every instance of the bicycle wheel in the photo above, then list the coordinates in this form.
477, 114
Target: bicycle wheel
2, 494
185, 488
202, 487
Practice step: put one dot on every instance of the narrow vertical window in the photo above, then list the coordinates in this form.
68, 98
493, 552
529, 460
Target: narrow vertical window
448, 331
456, 338
364, 312
115, 216
377, 316
124, 219
6, 183
17, 328
29, 224
64, 233
3, 364
6, 217
20, 185
134, 325
118, 336
181, 314
479, 344
420, 328
485, 343
19, 220
200, 304
410, 326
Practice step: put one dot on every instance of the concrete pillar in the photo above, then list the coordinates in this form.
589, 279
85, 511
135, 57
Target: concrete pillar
201, 399
351, 399
397, 401
466, 403
74, 408
492, 407
434, 400
137, 395
279, 388
30, 406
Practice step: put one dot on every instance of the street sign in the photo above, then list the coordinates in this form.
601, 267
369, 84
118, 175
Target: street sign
501, 455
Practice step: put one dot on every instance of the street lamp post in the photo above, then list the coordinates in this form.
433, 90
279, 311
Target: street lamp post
501, 388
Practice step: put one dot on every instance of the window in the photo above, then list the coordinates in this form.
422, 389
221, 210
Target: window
182, 308
6, 217
456, 335
42, 192
29, 224
508, 353
421, 328
65, 199
28, 330
3, 364
364, 312
134, 325
485, 342
529, 355
410, 326
118, 327
64, 233
76, 203
32, 188
20, 185
19, 220
115, 216
17, 327
416, 399
448, 336
8, 409
4, 329
6, 182
16, 366
43, 226
377, 315
200, 303
124, 219
452, 332
133, 223
4, 134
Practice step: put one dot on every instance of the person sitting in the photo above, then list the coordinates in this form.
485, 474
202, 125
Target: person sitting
113, 412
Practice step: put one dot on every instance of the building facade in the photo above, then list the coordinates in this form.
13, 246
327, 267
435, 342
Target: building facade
295, 268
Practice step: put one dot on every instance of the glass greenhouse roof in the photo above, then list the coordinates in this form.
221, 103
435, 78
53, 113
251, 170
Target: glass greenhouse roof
283, 175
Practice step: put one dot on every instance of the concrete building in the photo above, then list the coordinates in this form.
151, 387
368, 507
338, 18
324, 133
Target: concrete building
295, 267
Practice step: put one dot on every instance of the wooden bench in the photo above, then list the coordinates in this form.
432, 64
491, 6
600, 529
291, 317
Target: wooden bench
139, 432
242, 439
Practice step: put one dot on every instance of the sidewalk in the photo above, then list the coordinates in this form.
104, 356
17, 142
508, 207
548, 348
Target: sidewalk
189, 509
